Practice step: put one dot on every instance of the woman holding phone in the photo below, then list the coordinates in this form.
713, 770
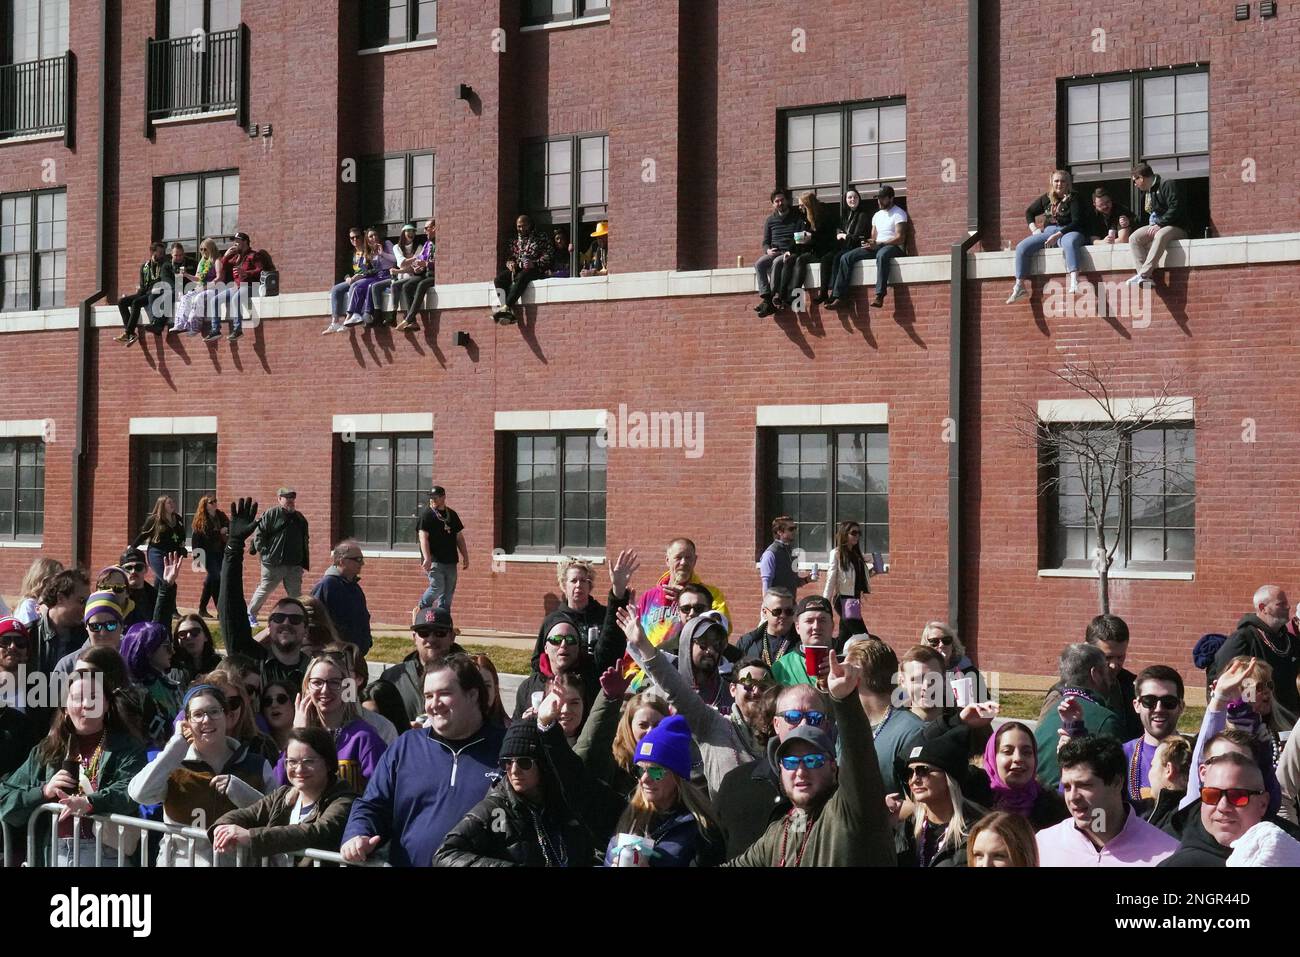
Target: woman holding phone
847, 580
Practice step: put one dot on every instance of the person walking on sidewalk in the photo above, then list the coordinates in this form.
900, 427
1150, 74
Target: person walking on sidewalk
281, 540
442, 536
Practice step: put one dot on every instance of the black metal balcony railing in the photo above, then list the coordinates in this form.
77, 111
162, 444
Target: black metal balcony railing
36, 97
193, 75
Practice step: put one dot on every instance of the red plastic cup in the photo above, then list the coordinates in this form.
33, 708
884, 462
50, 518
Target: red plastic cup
814, 658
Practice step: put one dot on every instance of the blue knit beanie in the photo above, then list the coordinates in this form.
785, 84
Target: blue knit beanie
668, 743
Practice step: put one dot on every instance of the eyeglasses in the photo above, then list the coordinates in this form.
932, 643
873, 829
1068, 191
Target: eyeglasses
211, 713
1237, 797
558, 640
654, 772
793, 718
749, 682
522, 764
1168, 701
920, 771
190, 633
116, 589
427, 633
792, 762
711, 639
305, 764
780, 612
109, 626
277, 698
320, 684
280, 618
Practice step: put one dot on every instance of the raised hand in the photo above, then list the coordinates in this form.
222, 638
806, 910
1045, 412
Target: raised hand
613, 683
1231, 684
243, 519
301, 709
843, 677
172, 567
548, 712
979, 715
621, 571
637, 642
1071, 712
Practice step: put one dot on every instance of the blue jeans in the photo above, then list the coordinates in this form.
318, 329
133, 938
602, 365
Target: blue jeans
231, 296
884, 256
442, 585
1031, 244
339, 301
155, 557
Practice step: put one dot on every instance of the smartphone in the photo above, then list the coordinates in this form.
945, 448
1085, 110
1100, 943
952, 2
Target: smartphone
877, 563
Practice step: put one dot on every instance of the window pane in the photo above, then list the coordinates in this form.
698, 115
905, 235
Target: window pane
1083, 143
893, 123
1114, 139
1081, 103
893, 160
1114, 101
826, 130
1193, 132
799, 171
1158, 135
427, 23
1158, 96
799, 133
1193, 91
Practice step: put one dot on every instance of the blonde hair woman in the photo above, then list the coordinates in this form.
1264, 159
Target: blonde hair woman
329, 700
1057, 218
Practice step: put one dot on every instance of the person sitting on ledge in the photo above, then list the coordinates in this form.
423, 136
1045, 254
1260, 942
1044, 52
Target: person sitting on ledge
1055, 219
528, 257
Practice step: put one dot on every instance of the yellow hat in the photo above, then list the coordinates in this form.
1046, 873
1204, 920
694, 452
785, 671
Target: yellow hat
602, 229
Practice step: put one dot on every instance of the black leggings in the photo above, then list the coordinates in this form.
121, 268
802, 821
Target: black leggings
515, 289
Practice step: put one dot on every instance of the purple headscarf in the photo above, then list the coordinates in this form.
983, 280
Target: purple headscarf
1006, 798
138, 645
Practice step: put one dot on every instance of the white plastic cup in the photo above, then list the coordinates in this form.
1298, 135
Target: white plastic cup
538, 697
963, 690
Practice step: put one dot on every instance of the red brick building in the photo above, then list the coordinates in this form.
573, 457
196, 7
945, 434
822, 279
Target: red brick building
672, 119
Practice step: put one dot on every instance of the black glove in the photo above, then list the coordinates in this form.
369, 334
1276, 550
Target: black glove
243, 521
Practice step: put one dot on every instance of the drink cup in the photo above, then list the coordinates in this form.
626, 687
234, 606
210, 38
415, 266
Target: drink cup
633, 850
963, 690
538, 697
1113, 234
814, 659
812, 577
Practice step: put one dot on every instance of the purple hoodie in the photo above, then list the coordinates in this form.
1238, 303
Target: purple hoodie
360, 748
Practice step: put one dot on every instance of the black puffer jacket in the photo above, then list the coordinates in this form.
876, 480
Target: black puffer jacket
953, 855
609, 649
505, 830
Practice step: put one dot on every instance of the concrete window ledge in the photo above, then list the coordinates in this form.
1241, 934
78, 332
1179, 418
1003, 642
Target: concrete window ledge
380, 553
12, 544
544, 559
1117, 573
566, 24
399, 47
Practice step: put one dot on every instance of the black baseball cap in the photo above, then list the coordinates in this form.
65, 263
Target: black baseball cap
813, 603
437, 492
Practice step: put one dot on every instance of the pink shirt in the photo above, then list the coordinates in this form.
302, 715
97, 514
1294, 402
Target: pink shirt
1139, 844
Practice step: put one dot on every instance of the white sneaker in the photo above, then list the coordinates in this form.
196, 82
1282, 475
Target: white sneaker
334, 326
1136, 280
1074, 285
354, 320
1018, 292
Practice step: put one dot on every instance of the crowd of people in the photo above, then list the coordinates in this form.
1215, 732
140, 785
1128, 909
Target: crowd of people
649, 732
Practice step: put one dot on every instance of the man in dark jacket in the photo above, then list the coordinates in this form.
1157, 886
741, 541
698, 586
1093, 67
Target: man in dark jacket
156, 291
778, 240
1166, 219
281, 540
838, 816
1233, 800
565, 652
776, 636
60, 628
528, 256
21, 725
1264, 635
433, 635
340, 592
427, 781
149, 601
281, 660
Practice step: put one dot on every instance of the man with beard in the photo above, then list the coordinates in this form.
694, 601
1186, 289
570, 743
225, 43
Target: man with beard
838, 816
565, 652
60, 629
725, 742
658, 606
699, 655
1086, 679
1264, 635
429, 780
1159, 705
775, 637
1233, 800
433, 636
1102, 830
144, 600
282, 660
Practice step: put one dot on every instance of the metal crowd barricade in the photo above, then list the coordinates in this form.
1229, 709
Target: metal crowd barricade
193, 837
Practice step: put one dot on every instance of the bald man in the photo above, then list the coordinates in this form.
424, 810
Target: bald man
1264, 635
1233, 800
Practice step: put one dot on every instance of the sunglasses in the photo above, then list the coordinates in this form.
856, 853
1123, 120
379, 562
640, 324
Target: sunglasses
277, 698
655, 772
558, 640
523, 764
779, 612
432, 632
812, 762
1264, 686
692, 609
1237, 797
14, 640
749, 682
254, 691
131, 570
190, 633
792, 718
280, 618
116, 589
936, 642
1168, 701
109, 626
920, 771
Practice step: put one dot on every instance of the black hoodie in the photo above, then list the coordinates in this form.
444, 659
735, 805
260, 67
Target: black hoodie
1254, 639
1198, 848
609, 649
